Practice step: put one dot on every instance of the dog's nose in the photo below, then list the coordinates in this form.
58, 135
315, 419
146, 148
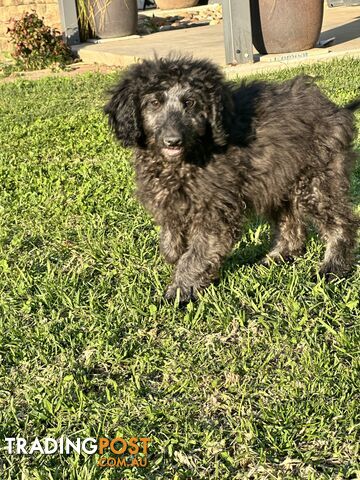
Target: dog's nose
172, 141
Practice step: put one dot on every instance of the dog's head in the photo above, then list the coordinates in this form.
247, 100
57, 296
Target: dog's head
171, 104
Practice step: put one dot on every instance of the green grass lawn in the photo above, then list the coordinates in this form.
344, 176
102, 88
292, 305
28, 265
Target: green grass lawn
258, 380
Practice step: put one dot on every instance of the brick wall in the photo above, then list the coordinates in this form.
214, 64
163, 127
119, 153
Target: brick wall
49, 9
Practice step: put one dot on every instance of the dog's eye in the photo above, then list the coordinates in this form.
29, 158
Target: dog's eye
155, 103
189, 102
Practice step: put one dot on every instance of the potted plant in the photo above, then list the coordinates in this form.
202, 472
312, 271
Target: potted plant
172, 4
285, 25
108, 18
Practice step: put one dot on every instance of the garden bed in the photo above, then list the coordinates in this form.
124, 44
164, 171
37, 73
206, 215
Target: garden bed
158, 20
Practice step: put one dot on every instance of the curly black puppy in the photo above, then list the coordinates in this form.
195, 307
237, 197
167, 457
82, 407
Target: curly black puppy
206, 153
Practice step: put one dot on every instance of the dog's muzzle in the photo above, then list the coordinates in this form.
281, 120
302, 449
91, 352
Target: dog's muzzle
173, 145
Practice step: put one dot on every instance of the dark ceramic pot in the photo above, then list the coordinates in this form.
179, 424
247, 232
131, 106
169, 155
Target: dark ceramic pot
285, 25
115, 18
172, 4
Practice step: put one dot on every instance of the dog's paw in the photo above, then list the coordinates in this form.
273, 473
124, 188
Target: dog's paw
182, 293
270, 259
265, 261
332, 271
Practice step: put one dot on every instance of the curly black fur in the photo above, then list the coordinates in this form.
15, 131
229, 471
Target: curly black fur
206, 153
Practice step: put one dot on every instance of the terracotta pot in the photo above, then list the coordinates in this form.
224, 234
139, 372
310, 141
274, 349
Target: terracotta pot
115, 18
172, 4
285, 25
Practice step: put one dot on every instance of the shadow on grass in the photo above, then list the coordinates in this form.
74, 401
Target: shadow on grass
249, 251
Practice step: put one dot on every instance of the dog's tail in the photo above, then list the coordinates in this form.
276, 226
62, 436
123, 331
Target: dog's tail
352, 106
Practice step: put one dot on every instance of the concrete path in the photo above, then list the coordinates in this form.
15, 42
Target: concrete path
343, 23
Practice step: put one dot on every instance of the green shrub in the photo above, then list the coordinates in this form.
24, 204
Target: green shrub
36, 44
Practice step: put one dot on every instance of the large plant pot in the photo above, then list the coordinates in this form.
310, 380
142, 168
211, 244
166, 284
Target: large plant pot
115, 18
172, 4
285, 25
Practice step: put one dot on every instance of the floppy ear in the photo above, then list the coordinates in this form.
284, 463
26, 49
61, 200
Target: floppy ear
123, 110
221, 112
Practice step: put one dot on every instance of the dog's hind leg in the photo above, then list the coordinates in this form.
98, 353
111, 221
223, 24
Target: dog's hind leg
337, 224
290, 235
338, 228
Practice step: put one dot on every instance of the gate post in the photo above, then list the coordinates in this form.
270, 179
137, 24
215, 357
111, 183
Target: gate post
237, 31
69, 21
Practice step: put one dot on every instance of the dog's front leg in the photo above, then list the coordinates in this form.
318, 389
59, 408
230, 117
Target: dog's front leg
200, 264
172, 243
